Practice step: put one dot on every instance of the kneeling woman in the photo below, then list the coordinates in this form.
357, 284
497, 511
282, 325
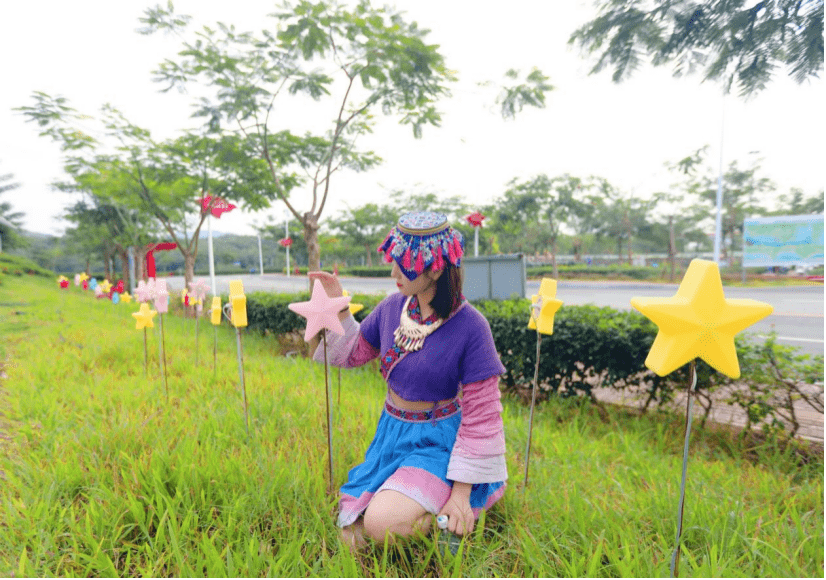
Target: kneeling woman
434, 452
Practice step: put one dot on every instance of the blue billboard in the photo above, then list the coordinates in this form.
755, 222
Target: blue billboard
783, 241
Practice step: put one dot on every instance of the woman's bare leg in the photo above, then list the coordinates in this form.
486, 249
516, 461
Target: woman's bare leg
353, 535
391, 512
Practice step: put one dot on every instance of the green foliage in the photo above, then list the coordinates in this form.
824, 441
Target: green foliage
17, 266
101, 476
529, 93
620, 271
741, 43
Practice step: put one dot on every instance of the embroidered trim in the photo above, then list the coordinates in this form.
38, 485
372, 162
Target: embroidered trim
422, 416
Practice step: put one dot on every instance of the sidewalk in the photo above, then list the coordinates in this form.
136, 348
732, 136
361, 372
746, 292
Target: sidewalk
811, 422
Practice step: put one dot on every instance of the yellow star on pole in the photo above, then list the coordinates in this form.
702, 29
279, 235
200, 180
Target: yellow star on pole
353, 307
105, 286
144, 317
239, 303
698, 322
544, 306
126, 297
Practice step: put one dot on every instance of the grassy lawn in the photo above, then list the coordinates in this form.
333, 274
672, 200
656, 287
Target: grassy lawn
102, 475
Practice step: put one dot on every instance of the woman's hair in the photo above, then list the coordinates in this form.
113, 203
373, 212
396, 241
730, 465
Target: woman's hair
448, 291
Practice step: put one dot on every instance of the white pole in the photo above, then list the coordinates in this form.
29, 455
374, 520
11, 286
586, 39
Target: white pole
211, 255
718, 223
286, 236
476, 242
260, 255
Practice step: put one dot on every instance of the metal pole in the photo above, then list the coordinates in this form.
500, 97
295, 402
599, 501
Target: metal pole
211, 255
329, 414
475, 242
260, 256
131, 269
718, 222
286, 236
675, 557
533, 404
241, 375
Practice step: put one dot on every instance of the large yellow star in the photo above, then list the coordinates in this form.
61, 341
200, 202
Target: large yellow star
215, 311
144, 317
544, 306
698, 322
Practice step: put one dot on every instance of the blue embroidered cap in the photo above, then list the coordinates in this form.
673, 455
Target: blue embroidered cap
422, 239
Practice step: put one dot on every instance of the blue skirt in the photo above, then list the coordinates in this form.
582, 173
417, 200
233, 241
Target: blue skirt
410, 454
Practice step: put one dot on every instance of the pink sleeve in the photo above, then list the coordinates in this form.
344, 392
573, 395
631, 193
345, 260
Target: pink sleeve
349, 350
479, 452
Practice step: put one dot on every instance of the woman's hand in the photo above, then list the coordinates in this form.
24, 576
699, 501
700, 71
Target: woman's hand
328, 281
458, 510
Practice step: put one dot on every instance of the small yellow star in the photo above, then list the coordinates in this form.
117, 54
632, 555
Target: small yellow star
126, 297
84, 276
215, 311
105, 286
353, 307
239, 303
144, 317
698, 322
544, 306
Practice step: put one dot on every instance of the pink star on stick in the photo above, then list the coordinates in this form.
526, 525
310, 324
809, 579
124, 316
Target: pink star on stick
321, 311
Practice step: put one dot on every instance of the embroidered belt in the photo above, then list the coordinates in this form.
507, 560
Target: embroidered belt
439, 413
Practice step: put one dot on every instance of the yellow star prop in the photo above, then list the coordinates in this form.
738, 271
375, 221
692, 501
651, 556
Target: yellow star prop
698, 322
144, 317
544, 306
239, 303
105, 286
215, 311
84, 276
126, 297
353, 307
62, 279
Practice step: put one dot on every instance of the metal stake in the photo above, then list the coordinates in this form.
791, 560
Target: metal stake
241, 375
329, 416
533, 404
675, 558
162, 345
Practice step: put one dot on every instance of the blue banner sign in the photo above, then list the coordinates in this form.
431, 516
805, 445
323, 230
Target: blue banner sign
783, 241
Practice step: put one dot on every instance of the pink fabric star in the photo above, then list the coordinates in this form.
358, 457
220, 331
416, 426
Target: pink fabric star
161, 297
199, 289
321, 311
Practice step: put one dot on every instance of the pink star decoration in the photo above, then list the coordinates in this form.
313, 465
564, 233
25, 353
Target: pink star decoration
321, 311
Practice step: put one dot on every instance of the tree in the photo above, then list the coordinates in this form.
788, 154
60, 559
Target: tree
796, 203
163, 180
739, 42
744, 198
620, 217
681, 206
10, 220
529, 93
364, 226
380, 60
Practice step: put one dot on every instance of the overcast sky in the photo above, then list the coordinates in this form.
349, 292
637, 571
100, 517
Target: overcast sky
88, 51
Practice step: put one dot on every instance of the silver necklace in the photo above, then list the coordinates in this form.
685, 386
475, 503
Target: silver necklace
410, 334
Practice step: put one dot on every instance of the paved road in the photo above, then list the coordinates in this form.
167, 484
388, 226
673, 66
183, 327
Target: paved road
797, 317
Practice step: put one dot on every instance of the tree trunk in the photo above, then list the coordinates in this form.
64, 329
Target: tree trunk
577, 250
369, 251
107, 271
124, 262
310, 223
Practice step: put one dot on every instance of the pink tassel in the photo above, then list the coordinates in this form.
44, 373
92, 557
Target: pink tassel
388, 257
438, 263
420, 262
457, 247
406, 260
451, 255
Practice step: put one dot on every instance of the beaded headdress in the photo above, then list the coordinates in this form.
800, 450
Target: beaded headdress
422, 239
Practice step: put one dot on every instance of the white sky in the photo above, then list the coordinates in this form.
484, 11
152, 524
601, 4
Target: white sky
88, 51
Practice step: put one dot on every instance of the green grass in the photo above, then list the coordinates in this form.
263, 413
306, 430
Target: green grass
103, 476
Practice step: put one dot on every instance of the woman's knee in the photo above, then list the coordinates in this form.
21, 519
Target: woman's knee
394, 513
